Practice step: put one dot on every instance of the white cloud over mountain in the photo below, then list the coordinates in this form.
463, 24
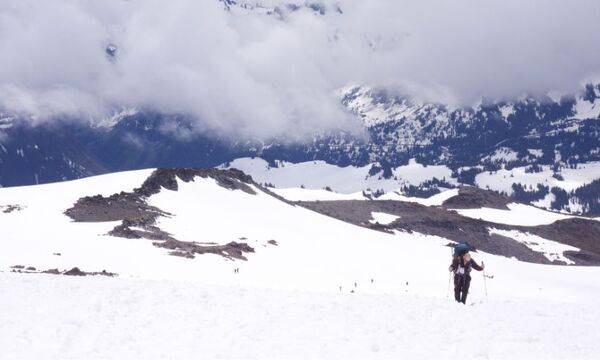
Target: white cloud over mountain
244, 72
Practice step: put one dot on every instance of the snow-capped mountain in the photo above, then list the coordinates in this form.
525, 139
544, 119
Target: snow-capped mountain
529, 127
525, 148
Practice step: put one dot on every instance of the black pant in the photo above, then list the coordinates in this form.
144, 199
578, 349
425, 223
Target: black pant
461, 287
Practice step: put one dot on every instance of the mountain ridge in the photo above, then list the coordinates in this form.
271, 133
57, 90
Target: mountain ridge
544, 137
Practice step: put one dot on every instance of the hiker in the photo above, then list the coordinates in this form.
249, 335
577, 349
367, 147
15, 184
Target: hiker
461, 266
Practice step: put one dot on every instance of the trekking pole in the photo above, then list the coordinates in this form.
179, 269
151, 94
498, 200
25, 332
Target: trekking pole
449, 275
484, 281
448, 288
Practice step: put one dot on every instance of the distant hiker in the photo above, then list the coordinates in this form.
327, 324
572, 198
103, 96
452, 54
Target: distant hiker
461, 266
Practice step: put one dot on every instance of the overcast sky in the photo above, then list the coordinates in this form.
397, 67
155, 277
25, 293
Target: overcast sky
252, 74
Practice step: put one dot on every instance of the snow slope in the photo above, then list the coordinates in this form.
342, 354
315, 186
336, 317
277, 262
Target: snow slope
435, 200
383, 218
518, 214
96, 318
349, 179
300, 194
32, 235
290, 300
503, 179
314, 252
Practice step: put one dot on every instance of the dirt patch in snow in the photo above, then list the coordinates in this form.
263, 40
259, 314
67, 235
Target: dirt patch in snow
232, 250
10, 208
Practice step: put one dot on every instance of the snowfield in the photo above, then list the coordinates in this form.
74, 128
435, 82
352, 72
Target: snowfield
383, 218
503, 179
587, 110
97, 318
518, 214
323, 289
300, 194
435, 200
347, 180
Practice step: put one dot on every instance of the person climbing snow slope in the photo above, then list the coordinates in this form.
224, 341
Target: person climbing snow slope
461, 266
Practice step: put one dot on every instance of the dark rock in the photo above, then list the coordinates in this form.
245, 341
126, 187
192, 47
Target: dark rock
113, 208
10, 208
473, 198
74, 272
232, 179
184, 254
578, 232
232, 250
103, 273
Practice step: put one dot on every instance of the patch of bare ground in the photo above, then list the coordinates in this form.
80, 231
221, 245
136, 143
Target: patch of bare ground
7, 209
232, 250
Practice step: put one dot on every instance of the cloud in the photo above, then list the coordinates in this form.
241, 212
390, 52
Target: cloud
498, 49
243, 72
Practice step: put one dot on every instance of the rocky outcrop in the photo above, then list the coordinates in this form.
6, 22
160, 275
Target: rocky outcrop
474, 198
138, 218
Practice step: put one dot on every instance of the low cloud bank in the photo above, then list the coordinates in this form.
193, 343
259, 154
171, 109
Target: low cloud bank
259, 73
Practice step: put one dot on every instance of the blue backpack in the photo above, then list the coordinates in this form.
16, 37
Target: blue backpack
463, 248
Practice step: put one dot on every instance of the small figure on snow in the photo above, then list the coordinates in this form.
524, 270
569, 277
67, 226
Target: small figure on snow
461, 266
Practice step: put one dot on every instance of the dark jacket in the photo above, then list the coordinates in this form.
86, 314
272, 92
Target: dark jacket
458, 262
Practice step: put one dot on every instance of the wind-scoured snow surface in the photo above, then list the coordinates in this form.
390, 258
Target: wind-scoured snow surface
323, 289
